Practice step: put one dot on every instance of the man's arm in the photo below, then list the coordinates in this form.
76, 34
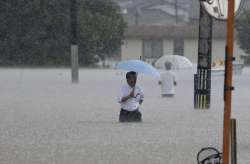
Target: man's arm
125, 98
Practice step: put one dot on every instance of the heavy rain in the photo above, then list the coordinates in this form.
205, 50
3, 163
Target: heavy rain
124, 81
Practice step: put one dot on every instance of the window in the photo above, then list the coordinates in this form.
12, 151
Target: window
152, 48
179, 46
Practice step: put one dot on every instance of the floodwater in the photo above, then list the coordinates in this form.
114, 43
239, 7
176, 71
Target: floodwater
45, 119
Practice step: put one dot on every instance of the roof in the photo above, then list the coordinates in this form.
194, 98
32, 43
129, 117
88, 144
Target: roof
185, 31
192, 6
143, 3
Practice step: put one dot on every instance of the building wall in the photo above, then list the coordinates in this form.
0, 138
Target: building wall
191, 50
218, 50
131, 49
238, 52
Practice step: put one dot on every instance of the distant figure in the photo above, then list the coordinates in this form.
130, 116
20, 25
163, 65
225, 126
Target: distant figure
168, 81
130, 99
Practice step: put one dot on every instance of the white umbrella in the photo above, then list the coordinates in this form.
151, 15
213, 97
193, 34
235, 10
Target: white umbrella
177, 61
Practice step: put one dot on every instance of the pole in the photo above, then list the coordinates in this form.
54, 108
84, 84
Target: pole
203, 89
176, 11
233, 142
136, 16
228, 83
73, 40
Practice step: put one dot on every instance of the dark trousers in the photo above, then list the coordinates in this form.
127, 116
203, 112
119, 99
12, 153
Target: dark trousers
130, 116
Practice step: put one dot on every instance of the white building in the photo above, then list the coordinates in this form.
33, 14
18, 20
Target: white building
151, 42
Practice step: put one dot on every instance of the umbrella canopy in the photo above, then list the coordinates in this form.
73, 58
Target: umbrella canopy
177, 61
138, 66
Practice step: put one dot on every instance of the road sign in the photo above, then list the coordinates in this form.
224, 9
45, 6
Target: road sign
218, 8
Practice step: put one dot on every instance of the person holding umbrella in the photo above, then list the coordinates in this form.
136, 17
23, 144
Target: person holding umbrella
130, 99
168, 81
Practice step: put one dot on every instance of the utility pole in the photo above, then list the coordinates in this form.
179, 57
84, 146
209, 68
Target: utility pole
202, 79
74, 41
176, 11
229, 16
136, 16
228, 83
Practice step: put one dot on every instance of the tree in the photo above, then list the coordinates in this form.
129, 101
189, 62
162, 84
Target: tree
36, 32
243, 30
101, 27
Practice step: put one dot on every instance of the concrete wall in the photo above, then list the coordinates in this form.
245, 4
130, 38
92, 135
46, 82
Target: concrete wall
131, 49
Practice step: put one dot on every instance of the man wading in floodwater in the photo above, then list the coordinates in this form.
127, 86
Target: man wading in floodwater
168, 81
131, 98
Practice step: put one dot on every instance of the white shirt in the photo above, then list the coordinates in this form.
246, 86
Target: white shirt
167, 82
132, 103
